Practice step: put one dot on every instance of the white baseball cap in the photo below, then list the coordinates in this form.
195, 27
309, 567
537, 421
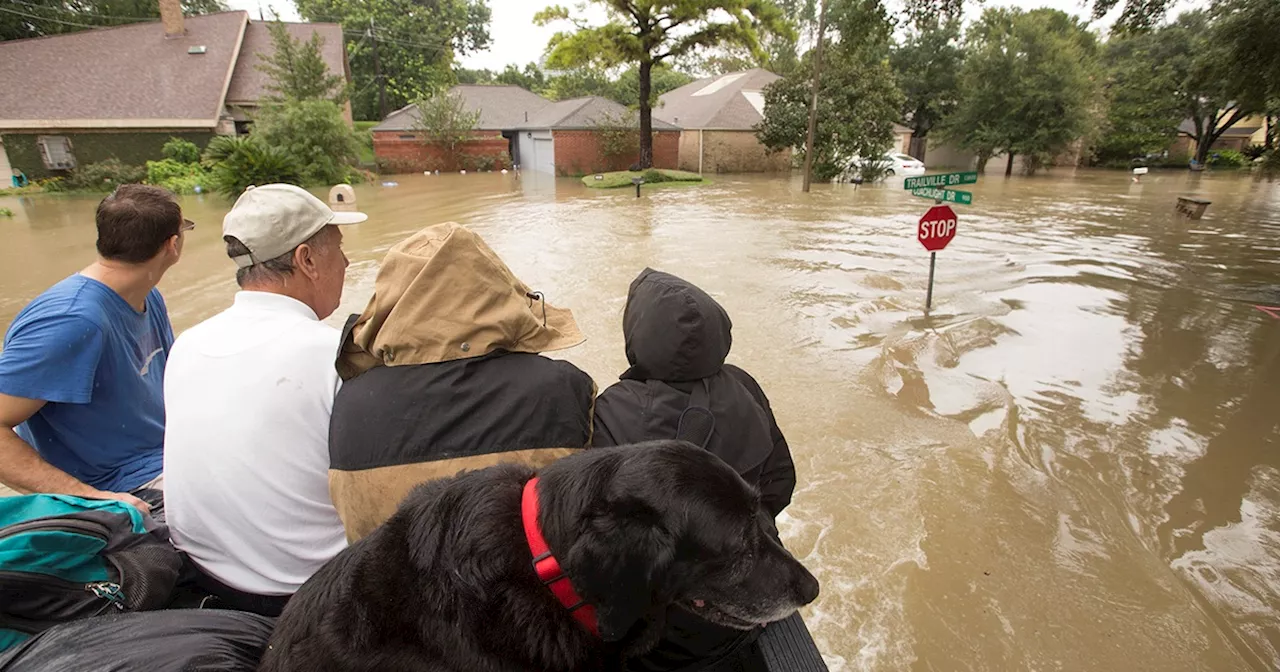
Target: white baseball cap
275, 218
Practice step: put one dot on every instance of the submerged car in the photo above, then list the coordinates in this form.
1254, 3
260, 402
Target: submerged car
889, 164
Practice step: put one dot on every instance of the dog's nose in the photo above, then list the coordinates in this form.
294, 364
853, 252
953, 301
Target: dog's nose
805, 586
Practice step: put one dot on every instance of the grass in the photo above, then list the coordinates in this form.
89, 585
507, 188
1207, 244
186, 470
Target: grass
366, 140
623, 178
6, 212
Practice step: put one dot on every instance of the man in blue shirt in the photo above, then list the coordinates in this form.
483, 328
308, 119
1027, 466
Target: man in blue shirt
81, 373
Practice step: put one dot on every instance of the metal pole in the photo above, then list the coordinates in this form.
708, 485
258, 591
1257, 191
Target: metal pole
928, 299
813, 108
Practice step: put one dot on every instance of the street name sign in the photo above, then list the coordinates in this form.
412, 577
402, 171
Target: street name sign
940, 180
944, 195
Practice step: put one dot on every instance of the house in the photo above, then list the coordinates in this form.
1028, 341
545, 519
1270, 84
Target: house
718, 116
123, 91
518, 127
1241, 135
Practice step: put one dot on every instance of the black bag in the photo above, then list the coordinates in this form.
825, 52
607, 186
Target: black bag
180, 640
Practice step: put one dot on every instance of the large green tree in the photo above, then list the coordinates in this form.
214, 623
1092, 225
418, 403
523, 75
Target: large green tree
37, 18
400, 50
1142, 112
1028, 86
531, 77
649, 33
858, 101
1249, 32
297, 68
926, 67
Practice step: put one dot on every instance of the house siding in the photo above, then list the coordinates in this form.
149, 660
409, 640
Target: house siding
396, 153
731, 152
578, 153
130, 147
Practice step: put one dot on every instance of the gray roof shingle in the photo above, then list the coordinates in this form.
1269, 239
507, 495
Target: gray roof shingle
727, 102
126, 76
585, 113
249, 83
501, 108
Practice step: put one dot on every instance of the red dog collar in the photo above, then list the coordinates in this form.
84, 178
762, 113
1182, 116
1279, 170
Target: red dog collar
547, 567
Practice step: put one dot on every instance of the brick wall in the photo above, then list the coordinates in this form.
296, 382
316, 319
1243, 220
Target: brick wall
739, 152
578, 153
405, 152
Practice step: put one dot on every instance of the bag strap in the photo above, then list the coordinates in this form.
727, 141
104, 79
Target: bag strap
696, 422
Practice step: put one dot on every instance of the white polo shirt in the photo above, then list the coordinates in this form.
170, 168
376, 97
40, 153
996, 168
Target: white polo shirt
248, 395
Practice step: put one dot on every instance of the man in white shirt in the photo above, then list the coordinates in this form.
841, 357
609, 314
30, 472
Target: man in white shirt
248, 394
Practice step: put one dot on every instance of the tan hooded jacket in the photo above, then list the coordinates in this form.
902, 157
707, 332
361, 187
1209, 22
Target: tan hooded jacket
442, 374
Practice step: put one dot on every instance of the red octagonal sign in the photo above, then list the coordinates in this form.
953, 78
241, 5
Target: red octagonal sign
937, 227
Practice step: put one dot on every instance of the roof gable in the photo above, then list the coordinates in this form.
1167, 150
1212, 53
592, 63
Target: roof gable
125, 76
249, 83
726, 102
585, 113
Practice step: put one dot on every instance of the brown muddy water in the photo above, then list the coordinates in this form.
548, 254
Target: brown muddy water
1073, 464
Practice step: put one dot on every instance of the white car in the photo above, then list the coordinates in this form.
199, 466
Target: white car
896, 164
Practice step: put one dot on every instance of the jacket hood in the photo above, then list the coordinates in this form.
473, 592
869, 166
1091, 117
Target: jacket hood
674, 331
443, 295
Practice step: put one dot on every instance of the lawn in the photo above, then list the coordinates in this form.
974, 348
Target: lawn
623, 178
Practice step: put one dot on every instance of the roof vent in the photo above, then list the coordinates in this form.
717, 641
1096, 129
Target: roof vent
200, 49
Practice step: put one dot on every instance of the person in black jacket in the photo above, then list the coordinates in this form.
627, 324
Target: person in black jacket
677, 338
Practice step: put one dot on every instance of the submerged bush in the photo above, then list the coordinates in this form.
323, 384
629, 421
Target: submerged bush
314, 134
104, 175
180, 178
181, 151
238, 162
1227, 158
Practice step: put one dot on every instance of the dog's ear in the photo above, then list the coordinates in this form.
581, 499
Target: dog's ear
622, 563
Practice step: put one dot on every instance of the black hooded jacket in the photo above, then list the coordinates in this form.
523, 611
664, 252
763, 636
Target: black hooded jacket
677, 338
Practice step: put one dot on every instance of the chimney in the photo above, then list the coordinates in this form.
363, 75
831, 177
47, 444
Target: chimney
171, 17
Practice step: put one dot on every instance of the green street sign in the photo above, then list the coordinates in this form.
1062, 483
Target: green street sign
942, 180
945, 195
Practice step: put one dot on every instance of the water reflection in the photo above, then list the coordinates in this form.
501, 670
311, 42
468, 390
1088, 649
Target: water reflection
1070, 464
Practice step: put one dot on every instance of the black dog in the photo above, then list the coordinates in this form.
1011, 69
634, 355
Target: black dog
448, 583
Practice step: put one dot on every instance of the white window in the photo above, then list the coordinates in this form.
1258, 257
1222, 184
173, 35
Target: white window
56, 152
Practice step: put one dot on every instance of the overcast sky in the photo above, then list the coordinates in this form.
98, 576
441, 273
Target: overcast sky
517, 40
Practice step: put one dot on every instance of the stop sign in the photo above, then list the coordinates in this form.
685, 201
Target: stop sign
937, 227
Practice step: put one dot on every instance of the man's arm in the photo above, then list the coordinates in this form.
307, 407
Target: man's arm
22, 468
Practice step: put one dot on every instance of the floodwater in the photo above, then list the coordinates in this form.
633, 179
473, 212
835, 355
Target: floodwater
1072, 464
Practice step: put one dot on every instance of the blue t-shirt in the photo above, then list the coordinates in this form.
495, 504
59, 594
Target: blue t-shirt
100, 366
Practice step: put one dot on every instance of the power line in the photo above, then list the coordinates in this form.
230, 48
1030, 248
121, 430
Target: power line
45, 18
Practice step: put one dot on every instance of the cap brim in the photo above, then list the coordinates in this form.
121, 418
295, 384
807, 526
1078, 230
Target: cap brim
342, 218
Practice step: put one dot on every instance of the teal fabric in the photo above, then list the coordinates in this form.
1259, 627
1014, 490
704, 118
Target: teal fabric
29, 507
68, 556
10, 638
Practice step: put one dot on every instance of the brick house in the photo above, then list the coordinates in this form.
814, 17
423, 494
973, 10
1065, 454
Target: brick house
718, 116
516, 127
122, 92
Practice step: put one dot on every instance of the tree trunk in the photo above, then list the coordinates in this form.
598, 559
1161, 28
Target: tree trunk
919, 145
1008, 168
1269, 138
813, 105
983, 158
646, 116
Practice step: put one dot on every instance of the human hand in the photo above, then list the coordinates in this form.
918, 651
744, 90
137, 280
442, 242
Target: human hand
127, 499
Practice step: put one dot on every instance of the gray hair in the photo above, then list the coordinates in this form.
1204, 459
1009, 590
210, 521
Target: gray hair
271, 271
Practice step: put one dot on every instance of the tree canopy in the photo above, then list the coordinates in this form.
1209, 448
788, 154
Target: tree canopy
1142, 113
411, 43
926, 67
648, 33
297, 69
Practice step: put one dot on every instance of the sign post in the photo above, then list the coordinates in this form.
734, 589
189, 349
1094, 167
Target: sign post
936, 229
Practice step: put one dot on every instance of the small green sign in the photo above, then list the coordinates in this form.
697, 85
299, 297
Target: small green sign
945, 195
943, 180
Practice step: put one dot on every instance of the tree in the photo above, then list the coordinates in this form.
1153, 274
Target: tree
297, 69
445, 122
37, 18
927, 69
314, 134
664, 79
1209, 86
531, 78
858, 102
1247, 31
648, 33
1142, 114
577, 83
467, 76
1027, 86
400, 50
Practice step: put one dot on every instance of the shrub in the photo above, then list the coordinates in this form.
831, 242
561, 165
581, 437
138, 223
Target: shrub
181, 151
104, 175
313, 134
1271, 163
180, 178
6, 212
1227, 158
1255, 152
653, 176
238, 162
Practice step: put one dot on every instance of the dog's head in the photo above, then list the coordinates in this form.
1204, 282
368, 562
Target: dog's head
641, 528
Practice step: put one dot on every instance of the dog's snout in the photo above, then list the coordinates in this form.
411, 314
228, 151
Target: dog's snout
805, 587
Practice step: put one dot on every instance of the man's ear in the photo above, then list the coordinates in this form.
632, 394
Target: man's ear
621, 564
306, 261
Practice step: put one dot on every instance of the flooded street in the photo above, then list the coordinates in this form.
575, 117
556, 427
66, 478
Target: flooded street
1072, 464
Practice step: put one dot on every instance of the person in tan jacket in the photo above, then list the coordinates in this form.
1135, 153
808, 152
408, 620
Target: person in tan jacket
442, 373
